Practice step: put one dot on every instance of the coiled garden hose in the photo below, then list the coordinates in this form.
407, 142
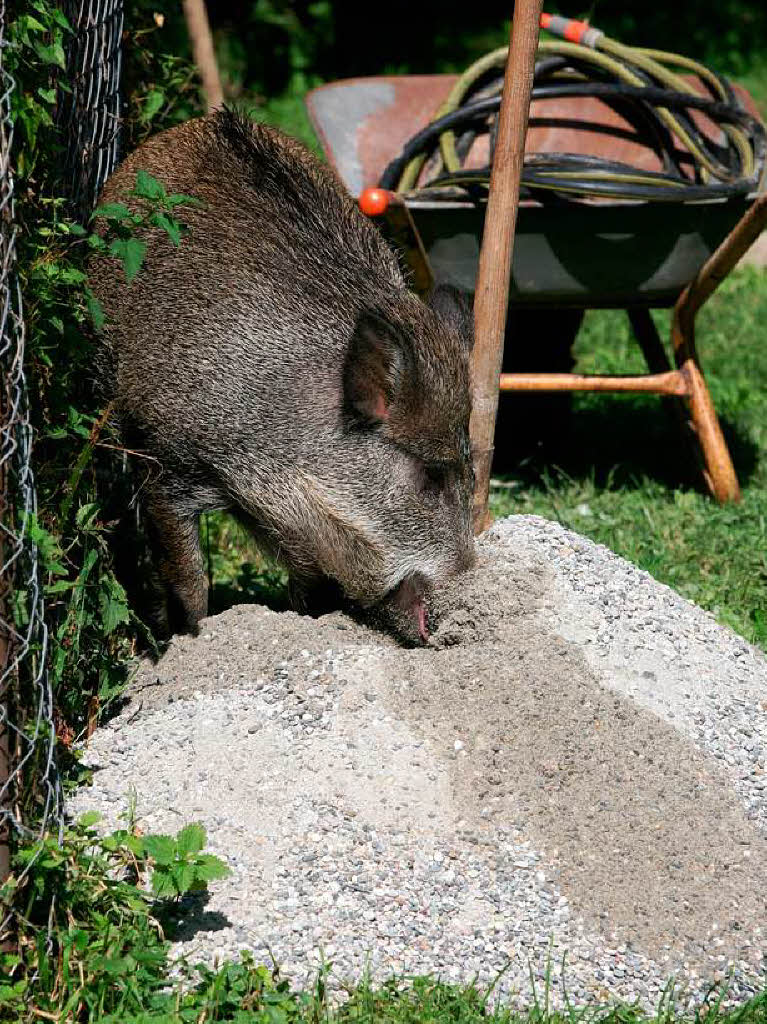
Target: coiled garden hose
644, 86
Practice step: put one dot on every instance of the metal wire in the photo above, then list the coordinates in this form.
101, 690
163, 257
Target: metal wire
26, 702
90, 114
31, 803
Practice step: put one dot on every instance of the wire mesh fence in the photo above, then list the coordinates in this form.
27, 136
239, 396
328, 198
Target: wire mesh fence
28, 774
88, 119
89, 116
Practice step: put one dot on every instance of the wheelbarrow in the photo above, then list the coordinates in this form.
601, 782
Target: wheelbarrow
567, 256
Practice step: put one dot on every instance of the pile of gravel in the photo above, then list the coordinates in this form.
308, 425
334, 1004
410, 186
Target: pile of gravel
576, 766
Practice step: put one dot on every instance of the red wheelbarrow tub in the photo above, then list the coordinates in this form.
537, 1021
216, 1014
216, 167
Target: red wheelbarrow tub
576, 254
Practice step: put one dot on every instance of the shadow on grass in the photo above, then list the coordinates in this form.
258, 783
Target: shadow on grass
611, 440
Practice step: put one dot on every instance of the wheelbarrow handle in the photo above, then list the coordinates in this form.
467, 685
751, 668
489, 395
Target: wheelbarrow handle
721, 262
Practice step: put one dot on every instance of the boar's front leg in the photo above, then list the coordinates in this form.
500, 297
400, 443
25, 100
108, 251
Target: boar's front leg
175, 541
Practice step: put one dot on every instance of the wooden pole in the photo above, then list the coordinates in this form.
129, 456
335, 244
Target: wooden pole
493, 280
198, 27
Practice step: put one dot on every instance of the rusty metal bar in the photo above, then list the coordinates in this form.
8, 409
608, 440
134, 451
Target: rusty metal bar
673, 382
723, 260
198, 27
718, 469
492, 293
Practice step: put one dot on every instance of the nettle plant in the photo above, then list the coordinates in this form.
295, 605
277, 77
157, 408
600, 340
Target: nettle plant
157, 209
87, 605
94, 912
76, 458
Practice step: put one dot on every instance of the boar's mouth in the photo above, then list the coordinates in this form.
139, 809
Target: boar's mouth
406, 609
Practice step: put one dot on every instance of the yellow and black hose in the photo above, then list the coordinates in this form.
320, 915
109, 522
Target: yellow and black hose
644, 85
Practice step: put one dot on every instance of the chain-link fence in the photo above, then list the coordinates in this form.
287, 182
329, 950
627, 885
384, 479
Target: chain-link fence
27, 734
89, 115
88, 118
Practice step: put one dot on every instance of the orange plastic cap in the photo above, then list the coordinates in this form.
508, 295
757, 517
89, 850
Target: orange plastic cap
576, 30
374, 201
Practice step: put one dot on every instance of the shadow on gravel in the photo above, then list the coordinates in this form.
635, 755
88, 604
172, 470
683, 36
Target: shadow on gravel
191, 917
252, 586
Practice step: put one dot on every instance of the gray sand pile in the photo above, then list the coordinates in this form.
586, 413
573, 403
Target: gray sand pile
576, 766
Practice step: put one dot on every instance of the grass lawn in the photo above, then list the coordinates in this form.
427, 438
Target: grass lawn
429, 1001
623, 478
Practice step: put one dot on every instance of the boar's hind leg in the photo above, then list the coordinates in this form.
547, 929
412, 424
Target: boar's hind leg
175, 542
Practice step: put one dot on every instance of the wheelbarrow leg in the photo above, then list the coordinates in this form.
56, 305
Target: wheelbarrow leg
654, 352
719, 471
646, 333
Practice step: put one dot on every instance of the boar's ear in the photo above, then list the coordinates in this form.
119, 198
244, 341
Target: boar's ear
378, 361
452, 306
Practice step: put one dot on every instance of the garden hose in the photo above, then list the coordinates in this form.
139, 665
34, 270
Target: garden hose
646, 87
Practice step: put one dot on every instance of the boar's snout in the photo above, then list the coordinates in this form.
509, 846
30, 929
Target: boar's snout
406, 610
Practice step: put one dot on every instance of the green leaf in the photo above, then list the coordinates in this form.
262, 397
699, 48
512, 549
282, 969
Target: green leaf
169, 225
161, 848
59, 587
113, 605
190, 839
31, 24
131, 251
86, 516
52, 53
89, 819
88, 562
135, 844
208, 867
152, 104
118, 965
148, 187
59, 17
179, 199
183, 877
112, 211
162, 884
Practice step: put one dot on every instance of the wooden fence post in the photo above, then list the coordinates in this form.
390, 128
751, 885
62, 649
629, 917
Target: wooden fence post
198, 27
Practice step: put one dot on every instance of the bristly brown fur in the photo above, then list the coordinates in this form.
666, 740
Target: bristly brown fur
239, 361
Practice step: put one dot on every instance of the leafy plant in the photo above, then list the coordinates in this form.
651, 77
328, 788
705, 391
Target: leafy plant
90, 938
81, 484
157, 209
179, 865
